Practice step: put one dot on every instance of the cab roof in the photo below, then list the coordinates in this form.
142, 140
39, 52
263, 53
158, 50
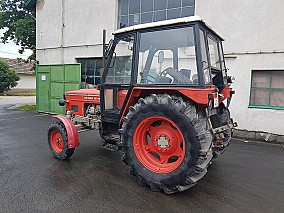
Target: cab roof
189, 19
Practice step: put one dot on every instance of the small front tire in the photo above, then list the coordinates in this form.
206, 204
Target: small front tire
58, 141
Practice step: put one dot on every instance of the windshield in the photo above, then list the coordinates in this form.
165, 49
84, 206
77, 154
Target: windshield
168, 57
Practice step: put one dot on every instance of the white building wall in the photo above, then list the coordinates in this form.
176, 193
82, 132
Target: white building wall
70, 29
26, 82
253, 119
249, 27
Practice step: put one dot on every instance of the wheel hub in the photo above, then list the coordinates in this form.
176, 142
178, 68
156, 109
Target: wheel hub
163, 142
58, 140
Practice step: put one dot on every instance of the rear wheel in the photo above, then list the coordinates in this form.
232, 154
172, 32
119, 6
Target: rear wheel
166, 143
223, 117
163, 149
58, 141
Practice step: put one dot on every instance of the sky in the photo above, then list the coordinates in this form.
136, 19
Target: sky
10, 50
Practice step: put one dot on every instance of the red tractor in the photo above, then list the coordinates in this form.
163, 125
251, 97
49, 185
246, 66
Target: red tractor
163, 101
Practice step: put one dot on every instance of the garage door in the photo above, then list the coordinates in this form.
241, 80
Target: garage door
52, 82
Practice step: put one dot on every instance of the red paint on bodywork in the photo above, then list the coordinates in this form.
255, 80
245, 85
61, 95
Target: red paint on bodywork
72, 134
121, 97
199, 95
227, 92
79, 98
84, 92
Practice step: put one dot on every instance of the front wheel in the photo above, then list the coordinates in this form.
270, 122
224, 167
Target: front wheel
58, 141
166, 143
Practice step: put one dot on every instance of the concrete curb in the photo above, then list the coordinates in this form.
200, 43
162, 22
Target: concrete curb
258, 136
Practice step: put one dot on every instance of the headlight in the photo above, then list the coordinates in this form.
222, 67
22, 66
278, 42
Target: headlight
231, 79
62, 102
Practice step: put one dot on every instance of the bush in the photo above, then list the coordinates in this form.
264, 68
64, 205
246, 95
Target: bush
8, 77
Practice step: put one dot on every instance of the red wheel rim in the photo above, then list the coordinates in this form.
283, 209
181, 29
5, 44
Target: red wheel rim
159, 144
56, 141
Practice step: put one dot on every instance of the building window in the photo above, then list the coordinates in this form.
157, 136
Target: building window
90, 72
144, 11
267, 89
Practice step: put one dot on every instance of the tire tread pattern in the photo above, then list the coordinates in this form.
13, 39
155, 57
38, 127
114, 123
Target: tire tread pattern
198, 121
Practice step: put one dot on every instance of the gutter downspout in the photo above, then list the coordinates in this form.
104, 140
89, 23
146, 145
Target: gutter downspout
62, 30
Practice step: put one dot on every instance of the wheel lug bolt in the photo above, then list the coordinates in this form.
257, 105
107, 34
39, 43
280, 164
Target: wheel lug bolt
165, 149
156, 145
160, 149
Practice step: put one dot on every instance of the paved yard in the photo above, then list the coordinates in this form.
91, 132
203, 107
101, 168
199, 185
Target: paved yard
248, 177
16, 100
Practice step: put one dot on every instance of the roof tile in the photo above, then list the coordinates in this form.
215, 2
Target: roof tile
20, 66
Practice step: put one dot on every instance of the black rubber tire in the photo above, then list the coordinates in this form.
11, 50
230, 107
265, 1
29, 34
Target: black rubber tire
195, 130
66, 152
223, 117
108, 138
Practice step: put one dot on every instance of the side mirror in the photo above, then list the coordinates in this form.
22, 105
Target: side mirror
161, 57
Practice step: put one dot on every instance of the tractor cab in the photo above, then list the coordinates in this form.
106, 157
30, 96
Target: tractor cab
169, 56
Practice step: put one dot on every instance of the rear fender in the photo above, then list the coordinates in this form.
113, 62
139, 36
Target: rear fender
72, 134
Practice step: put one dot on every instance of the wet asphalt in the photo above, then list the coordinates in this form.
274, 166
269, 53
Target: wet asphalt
248, 177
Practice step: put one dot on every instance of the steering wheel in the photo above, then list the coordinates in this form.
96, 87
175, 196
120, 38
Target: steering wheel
169, 73
166, 71
175, 76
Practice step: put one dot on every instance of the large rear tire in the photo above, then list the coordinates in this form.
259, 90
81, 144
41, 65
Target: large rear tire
223, 117
166, 143
58, 141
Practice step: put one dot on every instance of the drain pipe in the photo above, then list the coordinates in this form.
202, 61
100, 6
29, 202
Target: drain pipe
62, 30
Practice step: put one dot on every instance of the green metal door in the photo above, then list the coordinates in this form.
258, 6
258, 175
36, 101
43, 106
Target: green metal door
43, 88
52, 82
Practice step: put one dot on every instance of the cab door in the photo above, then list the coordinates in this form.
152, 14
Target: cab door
117, 78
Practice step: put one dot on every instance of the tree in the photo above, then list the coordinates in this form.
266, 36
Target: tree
8, 77
20, 25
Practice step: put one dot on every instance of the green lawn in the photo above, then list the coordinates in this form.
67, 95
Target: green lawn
20, 94
27, 107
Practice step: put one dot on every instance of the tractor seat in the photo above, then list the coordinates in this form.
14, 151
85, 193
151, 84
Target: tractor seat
186, 72
163, 80
195, 79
